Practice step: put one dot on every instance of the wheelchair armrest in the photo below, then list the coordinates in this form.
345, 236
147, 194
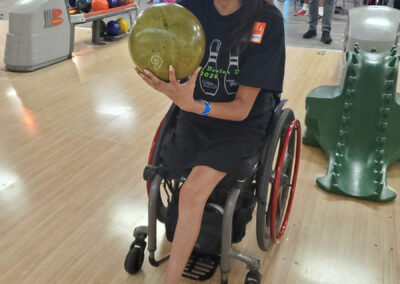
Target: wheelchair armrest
276, 115
149, 172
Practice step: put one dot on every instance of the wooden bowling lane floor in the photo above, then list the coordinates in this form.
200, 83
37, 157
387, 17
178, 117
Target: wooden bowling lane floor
74, 139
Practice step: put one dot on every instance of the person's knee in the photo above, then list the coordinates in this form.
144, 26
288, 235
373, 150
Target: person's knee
191, 196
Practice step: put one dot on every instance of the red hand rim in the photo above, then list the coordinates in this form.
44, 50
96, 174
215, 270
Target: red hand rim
295, 125
152, 150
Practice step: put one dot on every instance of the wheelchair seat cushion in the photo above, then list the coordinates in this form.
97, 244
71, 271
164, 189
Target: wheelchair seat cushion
226, 146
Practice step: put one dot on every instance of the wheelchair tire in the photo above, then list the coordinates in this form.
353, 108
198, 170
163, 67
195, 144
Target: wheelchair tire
253, 277
134, 259
265, 177
285, 182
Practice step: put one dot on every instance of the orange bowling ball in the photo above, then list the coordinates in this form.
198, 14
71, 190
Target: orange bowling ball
129, 2
99, 5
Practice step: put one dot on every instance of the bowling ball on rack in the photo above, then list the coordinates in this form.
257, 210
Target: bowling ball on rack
112, 3
103, 28
121, 2
129, 2
113, 28
164, 35
72, 3
99, 5
73, 11
84, 5
124, 25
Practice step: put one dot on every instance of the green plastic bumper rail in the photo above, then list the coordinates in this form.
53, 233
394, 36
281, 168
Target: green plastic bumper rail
358, 126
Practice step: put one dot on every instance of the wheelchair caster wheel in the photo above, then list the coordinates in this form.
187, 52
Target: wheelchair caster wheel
135, 257
253, 277
140, 233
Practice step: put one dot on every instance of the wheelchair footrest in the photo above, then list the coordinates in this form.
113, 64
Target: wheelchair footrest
201, 266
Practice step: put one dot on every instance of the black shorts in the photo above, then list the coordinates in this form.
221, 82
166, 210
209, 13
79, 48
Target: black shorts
215, 143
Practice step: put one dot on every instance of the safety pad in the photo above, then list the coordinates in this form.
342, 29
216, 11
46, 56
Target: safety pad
201, 266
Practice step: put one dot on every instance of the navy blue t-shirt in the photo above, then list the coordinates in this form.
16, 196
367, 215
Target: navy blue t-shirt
260, 65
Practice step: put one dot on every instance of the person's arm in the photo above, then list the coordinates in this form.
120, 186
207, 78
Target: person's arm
236, 110
182, 96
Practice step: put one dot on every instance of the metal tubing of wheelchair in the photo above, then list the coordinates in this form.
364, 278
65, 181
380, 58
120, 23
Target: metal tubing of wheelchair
155, 262
226, 242
153, 200
252, 263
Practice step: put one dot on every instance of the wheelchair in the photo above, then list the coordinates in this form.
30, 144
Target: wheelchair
266, 181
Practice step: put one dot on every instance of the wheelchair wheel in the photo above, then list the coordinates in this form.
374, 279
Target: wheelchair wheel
154, 156
285, 181
276, 179
135, 257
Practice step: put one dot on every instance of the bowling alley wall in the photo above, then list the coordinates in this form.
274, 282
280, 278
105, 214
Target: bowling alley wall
5, 6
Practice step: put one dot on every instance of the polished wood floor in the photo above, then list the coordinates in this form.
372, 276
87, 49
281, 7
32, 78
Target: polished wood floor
74, 139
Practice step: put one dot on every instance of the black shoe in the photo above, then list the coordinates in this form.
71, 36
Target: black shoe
310, 34
326, 37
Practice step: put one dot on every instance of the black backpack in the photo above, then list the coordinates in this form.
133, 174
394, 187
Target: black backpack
209, 240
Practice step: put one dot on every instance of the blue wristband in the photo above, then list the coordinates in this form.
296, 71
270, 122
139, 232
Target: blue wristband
207, 108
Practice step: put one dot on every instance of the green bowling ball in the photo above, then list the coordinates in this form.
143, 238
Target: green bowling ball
164, 35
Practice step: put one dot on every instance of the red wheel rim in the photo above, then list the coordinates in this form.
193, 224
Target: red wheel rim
152, 149
294, 126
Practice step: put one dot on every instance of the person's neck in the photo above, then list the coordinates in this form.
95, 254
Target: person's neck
226, 7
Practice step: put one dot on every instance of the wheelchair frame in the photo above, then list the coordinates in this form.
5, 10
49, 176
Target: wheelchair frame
274, 178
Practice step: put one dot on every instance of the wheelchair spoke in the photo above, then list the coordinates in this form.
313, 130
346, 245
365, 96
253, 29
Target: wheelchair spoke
281, 207
287, 162
267, 229
281, 198
284, 180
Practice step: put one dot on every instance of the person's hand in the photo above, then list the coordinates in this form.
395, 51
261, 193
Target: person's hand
180, 94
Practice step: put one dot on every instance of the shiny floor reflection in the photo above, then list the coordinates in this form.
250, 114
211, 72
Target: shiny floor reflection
74, 139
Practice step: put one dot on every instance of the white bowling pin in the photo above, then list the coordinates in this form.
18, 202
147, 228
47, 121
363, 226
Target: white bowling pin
231, 85
209, 82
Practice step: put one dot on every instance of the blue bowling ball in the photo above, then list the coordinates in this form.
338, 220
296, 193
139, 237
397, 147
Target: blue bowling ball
72, 3
121, 2
113, 28
112, 3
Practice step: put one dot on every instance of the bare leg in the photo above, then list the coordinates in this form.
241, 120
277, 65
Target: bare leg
192, 199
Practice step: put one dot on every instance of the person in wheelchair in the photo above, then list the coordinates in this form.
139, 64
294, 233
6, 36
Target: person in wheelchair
224, 108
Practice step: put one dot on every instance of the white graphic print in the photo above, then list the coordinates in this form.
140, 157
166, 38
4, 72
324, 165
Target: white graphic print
231, 86
157, 61
209, 82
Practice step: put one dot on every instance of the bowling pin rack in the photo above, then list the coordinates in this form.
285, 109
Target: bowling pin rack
96, 18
